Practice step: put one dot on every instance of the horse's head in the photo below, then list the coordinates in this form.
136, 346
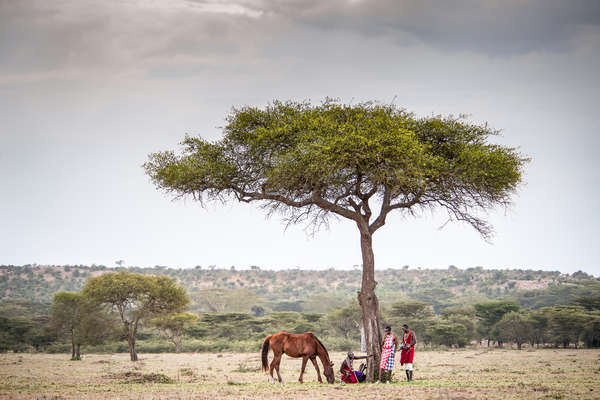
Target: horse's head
329, 373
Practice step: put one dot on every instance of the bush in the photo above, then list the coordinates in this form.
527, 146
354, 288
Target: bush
57, 348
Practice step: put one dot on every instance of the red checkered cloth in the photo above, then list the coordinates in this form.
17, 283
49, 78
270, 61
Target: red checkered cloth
387, 353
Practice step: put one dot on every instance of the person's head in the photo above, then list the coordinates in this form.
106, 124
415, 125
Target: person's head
388, 330
350, 355
405, 328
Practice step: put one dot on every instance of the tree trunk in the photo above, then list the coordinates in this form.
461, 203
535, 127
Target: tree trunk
132, 353
369, 304
131, 329
77, 353
519, 345
72, 344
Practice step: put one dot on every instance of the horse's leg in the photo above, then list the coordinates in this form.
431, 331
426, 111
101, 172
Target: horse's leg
275, 364
314, 361
304, 360
277, 368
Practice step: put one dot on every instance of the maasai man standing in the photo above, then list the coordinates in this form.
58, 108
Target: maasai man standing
409, 340
390, 345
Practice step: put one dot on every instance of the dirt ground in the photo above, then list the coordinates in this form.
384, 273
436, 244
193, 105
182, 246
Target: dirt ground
461, 374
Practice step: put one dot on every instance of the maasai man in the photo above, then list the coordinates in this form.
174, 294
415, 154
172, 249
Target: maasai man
389, 348
349, 375
409, 340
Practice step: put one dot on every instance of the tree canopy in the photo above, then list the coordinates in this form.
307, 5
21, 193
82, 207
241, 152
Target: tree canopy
136, 297
310, 161
173, 326
84, 321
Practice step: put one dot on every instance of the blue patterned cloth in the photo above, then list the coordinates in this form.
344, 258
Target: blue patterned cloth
389, 365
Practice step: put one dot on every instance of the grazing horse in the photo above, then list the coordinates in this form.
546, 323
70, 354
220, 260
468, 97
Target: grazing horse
305, 345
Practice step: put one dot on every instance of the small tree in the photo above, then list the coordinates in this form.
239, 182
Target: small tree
83, 321
346, 321
257, 311
66, 316
489, 313
514, 327
539, 327
417, 315
591, 331
174, 326
446, 333
359, 162
565, 324
136, 297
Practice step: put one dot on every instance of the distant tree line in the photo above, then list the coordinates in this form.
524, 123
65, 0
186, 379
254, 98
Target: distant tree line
213, 289
129, 312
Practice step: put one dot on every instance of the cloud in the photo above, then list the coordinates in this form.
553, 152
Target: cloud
38, 37
177, 38
493, 27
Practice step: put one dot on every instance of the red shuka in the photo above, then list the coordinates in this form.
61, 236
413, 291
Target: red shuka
407, 356
351, 378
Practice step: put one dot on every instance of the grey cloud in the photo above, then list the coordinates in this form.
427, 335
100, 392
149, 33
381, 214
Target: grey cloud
45, 36
181, 37
494, 27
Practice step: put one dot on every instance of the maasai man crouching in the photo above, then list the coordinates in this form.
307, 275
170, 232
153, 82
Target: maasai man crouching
409, 340
349, 375
388, 350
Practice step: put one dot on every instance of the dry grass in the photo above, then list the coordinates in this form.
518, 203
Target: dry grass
468, 374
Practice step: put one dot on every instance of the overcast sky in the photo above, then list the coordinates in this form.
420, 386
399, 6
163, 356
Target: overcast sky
89, 89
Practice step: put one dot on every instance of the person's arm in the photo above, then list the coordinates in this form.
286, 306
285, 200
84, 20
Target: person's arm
396, 342
360, 357
413, 340
342, 370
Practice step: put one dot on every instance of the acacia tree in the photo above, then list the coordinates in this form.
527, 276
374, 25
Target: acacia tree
514, 326
173, 326
136, 297
359, 162
83, 321
489, 313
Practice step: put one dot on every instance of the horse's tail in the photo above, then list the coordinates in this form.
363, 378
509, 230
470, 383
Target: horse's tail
265, 353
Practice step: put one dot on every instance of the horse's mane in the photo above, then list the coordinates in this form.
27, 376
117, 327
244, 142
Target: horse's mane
323, 346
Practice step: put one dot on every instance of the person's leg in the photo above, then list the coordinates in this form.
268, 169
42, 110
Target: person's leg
409, 371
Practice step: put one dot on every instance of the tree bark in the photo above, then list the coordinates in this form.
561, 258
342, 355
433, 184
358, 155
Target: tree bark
131, 329
132, 353
72, 344
369, 304
77, 352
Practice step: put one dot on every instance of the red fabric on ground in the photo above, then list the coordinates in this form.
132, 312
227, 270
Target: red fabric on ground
349, 379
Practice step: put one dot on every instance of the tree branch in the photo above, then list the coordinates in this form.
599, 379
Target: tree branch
314, 199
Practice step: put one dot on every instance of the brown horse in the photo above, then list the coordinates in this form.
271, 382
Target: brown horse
305, 345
